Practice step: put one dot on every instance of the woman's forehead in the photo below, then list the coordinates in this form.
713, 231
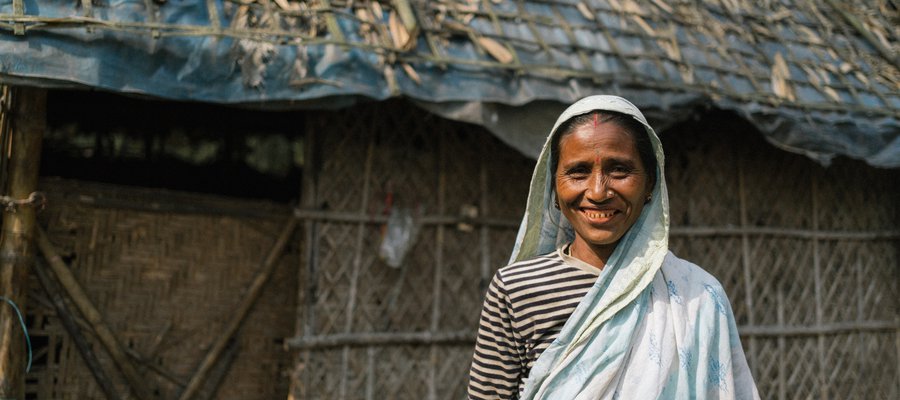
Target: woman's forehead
604, 136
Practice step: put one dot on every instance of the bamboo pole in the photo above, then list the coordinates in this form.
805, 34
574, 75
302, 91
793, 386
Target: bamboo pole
367, 339
249, 299
71, 327
29, 111
745, 259
93, 316
466, 338
217, 377
309, 200
438, 264
819, 296
357, 266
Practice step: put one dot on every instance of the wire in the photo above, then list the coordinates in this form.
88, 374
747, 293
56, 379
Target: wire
24, 330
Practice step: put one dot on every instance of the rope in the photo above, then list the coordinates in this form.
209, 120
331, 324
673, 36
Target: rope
36, 199
24, 330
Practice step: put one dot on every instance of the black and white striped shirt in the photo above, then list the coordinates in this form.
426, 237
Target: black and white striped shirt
525, 308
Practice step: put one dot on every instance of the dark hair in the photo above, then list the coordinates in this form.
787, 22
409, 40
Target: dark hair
631, 125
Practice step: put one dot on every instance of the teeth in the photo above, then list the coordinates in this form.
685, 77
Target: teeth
596, 214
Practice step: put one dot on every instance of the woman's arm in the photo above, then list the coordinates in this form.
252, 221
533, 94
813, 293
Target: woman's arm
497, 365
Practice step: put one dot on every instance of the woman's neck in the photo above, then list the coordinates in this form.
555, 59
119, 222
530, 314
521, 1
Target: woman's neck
593, 255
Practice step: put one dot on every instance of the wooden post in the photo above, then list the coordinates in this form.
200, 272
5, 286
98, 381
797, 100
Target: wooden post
29, 114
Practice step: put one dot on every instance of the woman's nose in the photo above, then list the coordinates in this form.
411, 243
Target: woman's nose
598, 187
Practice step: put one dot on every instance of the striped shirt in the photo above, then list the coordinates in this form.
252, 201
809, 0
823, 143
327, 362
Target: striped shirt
526, 306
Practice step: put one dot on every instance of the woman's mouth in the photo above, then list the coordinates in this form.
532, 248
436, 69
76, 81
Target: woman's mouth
599, 216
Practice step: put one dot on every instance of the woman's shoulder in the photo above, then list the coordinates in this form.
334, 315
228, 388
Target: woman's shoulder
689, 276
537, 263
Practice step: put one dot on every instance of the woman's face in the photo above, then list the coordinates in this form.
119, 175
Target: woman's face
601, 184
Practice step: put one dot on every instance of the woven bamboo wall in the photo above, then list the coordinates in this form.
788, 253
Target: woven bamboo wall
390, 151
166, 283
808, 255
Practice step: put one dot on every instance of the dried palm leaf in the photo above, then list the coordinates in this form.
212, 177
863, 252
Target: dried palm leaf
585, 11
496, 50
411, 72
780, 76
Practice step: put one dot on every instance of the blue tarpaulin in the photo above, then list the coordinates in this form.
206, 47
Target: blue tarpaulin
510, 67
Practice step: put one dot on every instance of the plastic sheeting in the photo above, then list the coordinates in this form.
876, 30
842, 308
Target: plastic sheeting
518, 108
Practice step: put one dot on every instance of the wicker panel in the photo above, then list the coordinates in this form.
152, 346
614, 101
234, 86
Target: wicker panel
333, 272
461, 291
453, 371
858, 281
769, 358
503, 168
503, 241
166, 284
781, 282
695, 168
773, 197
803, 377
409, 309
320, 377
401, 372
848, 192
878, 358
463, 155
879, 286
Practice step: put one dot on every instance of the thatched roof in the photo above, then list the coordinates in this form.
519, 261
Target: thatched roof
819, 77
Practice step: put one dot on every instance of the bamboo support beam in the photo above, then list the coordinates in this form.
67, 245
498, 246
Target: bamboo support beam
837, 328
467, 338
364, 339
309, 214
248, 300
28, 122
216, 378
71, 327
136, 381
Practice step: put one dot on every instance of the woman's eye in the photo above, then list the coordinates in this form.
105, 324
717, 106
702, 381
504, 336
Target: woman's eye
620, 170
577, 171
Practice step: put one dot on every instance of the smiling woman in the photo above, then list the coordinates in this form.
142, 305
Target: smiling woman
594, 305
601, 182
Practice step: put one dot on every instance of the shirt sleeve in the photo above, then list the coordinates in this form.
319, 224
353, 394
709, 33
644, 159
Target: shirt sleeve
497, 365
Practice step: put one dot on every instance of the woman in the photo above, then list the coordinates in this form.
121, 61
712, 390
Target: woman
594, 306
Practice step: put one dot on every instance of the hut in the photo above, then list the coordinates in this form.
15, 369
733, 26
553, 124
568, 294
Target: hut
416, 119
